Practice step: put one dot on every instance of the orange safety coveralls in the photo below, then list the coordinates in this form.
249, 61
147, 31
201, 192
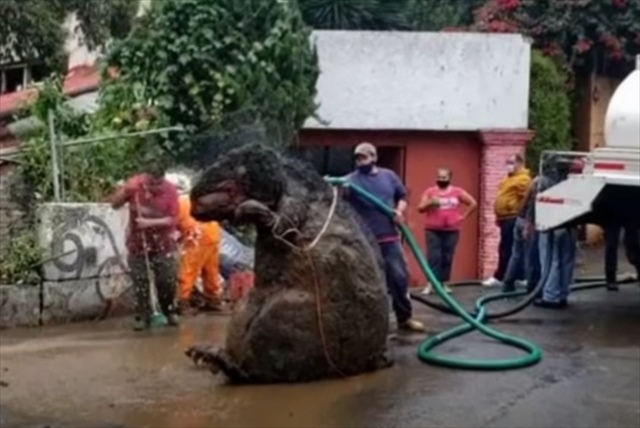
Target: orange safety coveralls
200, 254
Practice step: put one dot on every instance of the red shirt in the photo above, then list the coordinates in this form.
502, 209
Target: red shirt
151, 201
447, 215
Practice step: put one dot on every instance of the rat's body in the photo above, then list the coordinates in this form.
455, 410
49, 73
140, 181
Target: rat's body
275, 335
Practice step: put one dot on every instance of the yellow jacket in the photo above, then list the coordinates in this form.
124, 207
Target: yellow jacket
511, 193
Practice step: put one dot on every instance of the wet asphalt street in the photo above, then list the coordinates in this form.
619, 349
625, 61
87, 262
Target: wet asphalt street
104, 375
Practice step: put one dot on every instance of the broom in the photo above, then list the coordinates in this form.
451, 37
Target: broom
157, 319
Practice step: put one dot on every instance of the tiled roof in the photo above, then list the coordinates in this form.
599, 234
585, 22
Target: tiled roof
79, 80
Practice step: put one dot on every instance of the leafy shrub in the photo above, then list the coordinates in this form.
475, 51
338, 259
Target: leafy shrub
549, 109
192, 63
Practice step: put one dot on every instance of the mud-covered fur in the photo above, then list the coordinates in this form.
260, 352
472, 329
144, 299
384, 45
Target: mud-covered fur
274, 336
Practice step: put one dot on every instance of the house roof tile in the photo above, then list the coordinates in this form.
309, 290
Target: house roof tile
78, 80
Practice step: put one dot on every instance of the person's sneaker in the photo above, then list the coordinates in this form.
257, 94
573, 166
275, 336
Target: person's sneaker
491, 282
429, 289
140, 324
173, 320
612, 287
411, 325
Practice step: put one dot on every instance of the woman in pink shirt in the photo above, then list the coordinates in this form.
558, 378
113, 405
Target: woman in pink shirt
442, 206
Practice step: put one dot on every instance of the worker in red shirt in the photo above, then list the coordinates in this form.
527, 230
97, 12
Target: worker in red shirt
151, 239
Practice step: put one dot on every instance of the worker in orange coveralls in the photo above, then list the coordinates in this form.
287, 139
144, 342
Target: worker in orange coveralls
200, 256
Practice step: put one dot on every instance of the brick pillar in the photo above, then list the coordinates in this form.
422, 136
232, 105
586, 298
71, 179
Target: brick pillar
497, 146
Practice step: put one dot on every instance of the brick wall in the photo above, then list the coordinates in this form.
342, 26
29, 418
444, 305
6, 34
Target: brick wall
497, 146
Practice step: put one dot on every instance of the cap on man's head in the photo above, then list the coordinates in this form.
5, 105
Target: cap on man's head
366, 149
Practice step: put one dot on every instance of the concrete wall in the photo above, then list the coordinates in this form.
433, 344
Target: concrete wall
422, 81
91, 234
89, 281
87, 273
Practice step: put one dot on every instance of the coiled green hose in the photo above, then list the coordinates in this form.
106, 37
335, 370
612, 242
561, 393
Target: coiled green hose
471, 323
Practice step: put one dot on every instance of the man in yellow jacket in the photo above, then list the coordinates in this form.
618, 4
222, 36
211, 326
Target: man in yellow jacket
512, 192
200, 256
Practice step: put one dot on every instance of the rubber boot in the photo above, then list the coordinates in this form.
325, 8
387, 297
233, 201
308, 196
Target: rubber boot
173, 320
140, 324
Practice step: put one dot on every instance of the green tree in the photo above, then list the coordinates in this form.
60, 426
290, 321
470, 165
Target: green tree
357, 14
193, 63
436, 15
33, 31
592, 35
90, 170
549, 109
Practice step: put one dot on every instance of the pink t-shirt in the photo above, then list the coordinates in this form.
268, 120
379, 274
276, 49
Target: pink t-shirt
447, 215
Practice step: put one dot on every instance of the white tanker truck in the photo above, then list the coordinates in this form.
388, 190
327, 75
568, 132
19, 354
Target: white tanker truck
605, 189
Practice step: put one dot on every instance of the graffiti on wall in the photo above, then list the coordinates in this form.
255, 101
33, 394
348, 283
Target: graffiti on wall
85, 242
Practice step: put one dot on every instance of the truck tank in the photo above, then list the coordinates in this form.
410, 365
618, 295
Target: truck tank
605, 190
622, 120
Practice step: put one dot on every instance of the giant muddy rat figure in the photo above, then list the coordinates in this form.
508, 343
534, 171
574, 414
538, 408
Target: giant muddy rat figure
312, 314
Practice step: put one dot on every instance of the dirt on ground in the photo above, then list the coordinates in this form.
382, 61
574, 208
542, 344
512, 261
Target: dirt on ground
105, 375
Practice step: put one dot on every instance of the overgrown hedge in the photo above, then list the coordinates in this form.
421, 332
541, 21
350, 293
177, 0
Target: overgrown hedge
549, 109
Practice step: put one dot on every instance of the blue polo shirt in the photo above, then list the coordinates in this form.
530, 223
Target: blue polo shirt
385, 185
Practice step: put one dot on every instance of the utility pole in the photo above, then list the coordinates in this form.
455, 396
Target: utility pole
54, 157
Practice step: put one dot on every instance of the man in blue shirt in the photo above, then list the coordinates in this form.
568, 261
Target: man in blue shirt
385, 185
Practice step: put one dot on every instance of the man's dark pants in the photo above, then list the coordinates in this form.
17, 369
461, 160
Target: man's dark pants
612, 242
506, 244
533, 268
632, 247
164, 268
441, 248
525, 259
397, 279
631, 242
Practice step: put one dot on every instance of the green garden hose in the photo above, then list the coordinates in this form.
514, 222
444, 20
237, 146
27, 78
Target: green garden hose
534, 353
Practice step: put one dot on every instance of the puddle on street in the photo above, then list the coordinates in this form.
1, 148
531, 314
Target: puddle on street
105, 375
126, 378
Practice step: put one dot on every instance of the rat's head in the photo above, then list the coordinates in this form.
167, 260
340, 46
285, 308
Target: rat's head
249, 172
